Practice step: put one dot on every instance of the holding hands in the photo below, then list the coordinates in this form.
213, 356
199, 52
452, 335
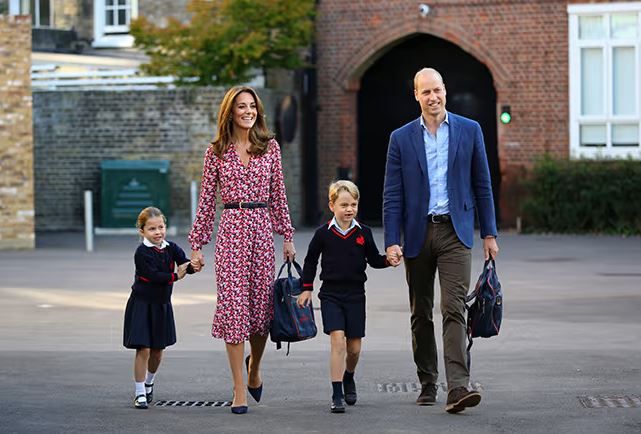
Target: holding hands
197, 260
182, 270
394, 255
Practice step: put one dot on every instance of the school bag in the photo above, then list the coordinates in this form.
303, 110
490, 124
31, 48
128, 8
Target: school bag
291, 323
484, 306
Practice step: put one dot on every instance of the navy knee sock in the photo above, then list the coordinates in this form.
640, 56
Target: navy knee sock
337, 388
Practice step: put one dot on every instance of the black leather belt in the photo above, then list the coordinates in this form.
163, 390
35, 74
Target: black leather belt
245, 205
439, 218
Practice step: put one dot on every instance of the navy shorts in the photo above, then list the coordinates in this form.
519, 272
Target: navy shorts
348, 316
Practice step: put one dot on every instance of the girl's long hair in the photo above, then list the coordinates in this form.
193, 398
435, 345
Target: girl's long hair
259, 134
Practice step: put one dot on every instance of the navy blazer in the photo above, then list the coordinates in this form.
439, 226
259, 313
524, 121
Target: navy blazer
406, 192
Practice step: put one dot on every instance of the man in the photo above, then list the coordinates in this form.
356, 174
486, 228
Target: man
436, 177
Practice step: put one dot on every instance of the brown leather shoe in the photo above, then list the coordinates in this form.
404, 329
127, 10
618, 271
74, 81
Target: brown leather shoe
459, 398
428, 394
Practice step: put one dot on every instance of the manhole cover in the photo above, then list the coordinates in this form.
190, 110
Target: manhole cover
192, 403
411, 387
612, 401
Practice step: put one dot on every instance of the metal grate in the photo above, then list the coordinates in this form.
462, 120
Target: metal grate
192, 403
610, 401
411, 387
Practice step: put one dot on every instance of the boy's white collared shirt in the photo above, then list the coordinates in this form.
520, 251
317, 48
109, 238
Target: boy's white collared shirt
338, 228
148, 243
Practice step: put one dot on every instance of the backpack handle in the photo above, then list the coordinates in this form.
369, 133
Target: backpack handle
289, 269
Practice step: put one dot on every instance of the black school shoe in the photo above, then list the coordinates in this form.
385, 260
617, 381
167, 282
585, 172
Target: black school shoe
337, 405
150, 395
349, 388
140, 402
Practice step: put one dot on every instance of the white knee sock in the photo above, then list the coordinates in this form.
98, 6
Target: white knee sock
140, 388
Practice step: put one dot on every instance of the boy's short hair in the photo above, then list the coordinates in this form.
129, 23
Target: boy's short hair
343, 185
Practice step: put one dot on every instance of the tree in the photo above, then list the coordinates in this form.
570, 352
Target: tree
226, 39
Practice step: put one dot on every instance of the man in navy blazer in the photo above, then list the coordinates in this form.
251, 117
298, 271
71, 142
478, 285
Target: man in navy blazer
436, 179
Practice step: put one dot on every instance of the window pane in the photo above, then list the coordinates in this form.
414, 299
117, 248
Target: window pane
122, 2
625, 135
45, 13
591, 27
592, 81
109, 2
32, 11
592, 135
110, 18
24, 7
122, 17
624, 26
623, 82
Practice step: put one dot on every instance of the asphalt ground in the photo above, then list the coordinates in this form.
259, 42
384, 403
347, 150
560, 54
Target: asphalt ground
567, 360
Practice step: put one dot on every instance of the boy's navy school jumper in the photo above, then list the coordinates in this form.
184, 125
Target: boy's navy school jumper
149, 317
344, 258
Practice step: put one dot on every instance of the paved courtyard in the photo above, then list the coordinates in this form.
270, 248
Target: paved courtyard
568, 359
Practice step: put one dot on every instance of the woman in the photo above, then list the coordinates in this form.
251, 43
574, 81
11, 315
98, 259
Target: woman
244, 163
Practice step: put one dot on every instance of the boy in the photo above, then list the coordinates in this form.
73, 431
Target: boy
346, 248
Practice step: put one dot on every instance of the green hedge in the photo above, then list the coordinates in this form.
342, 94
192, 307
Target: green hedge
584, 197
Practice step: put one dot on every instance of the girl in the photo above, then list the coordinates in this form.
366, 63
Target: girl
149, 318
346, 247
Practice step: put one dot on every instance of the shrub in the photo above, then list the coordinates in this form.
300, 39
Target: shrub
584, 196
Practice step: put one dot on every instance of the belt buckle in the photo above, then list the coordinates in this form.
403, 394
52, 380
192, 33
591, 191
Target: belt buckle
437, 218
240, 205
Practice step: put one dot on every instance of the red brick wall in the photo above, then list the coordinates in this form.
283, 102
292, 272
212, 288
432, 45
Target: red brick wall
523, 43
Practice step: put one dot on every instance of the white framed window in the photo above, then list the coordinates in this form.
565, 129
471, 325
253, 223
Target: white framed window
605, 80
111, 23
41, 11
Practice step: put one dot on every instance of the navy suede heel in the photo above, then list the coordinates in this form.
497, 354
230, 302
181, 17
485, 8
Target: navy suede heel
255, 392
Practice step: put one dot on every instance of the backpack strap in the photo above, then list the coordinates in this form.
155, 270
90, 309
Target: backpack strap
470, 343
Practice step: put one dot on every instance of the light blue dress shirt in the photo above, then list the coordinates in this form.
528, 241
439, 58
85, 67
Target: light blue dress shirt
436, 148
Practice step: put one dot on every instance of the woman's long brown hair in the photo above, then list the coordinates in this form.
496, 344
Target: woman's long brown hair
259, 134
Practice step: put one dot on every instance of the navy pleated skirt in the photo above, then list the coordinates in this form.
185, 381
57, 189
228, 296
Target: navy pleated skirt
148, 325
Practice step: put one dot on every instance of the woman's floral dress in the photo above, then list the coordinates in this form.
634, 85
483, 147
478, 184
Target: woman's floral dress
244, 242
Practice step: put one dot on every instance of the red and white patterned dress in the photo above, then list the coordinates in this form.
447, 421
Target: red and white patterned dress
244, 242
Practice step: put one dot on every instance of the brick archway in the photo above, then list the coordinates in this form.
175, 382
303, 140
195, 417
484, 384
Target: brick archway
350, 72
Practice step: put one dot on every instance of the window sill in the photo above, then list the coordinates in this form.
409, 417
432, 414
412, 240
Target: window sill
113, 41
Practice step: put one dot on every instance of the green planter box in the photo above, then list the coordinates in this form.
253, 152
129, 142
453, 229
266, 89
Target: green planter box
128, 186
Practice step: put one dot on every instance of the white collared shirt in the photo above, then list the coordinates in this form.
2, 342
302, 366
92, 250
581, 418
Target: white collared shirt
338, 228
148, 243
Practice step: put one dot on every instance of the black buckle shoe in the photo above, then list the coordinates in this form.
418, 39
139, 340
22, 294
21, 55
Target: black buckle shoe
337, 405
349, 388
428, 394
150, 395
140, 401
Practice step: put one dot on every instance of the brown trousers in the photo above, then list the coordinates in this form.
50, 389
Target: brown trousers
442, 251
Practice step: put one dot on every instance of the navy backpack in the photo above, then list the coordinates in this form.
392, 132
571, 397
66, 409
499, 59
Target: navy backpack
484, 306
291, 323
